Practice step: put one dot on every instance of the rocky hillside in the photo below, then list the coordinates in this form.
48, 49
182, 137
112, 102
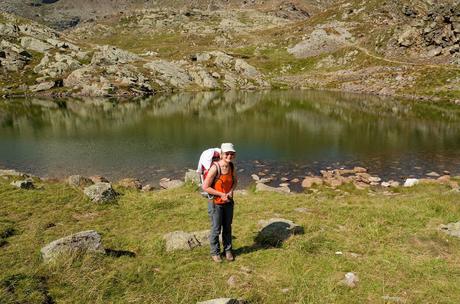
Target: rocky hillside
61, 14
406, 48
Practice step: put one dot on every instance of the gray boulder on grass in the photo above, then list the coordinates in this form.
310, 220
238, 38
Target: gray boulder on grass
180, 240
80, 243
100, 192
452, 229
276, 230
23, 184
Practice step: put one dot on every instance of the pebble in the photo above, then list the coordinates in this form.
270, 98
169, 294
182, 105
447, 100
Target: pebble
232, 281
350, 280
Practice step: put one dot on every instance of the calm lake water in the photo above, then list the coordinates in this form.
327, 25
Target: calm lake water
289, 133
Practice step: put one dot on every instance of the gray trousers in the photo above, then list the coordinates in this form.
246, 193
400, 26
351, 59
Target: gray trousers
221, 217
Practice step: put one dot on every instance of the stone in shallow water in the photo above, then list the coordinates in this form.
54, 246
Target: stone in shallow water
81, 242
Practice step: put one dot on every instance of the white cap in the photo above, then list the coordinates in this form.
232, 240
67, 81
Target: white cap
227, 147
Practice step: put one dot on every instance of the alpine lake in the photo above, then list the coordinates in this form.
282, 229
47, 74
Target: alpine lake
276, 133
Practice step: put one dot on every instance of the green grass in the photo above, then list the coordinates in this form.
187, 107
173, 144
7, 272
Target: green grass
400, 251
433, 81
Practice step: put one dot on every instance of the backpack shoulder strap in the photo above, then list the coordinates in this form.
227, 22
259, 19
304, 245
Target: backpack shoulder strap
218, 172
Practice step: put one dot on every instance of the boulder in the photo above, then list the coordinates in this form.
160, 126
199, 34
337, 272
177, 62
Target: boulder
23, 184
79, 181
275, 231
203, 79
452, 229
167, 183
261, 187
170, 72
107, 54
309, 181
79, 243
130, 183
44, 86
410, 182
408, 37
350, 280
100, 193
191, 176
180, 240
245, 69
33, 44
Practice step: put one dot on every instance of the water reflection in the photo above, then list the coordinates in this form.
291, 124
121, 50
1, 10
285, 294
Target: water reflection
294, 131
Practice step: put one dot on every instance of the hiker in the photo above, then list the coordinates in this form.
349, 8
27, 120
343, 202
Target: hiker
220, 182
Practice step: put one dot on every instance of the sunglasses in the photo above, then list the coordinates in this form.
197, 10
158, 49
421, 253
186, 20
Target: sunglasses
229, 153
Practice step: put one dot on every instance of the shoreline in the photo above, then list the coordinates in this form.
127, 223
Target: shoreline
131, 95
263, 180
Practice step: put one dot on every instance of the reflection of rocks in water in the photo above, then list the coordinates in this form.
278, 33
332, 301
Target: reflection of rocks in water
314, 123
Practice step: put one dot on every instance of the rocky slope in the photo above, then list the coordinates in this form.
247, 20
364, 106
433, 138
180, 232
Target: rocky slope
407, 48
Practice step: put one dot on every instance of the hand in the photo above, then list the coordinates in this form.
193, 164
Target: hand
230, 194
224, 197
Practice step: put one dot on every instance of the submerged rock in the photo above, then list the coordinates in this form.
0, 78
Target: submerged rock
82, 242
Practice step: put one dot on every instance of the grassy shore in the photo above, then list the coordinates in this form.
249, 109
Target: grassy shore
389, 239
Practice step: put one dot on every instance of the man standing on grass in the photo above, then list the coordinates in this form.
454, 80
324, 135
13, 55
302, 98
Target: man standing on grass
220, 182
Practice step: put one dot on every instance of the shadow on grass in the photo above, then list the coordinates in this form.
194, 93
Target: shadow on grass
271, 236
119, 253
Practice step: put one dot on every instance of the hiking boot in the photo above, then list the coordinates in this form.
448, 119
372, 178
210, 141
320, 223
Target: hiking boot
229, 256
216, 258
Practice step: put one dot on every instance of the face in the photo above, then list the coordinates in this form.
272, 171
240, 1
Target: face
228, 156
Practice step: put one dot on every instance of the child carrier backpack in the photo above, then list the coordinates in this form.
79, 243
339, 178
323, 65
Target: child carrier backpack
207, 159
